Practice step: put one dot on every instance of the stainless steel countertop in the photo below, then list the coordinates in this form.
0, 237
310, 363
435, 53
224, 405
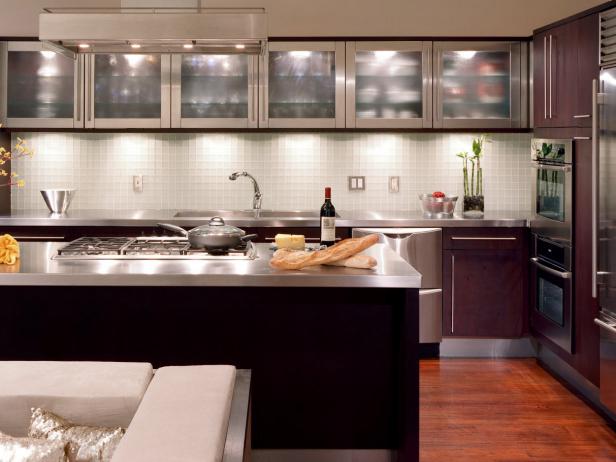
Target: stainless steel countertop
36, 268
346, 219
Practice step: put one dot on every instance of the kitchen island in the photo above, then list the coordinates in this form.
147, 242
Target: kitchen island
334, 351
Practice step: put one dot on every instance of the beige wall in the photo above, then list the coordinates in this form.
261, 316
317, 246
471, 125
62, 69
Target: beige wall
354, 17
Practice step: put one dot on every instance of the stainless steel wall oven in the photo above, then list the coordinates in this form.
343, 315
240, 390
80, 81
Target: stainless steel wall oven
552, 189
552, 292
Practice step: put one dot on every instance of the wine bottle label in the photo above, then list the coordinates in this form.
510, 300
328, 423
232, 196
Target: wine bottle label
328, 229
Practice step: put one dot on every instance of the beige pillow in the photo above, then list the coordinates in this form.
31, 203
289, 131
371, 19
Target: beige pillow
84, 443
14, 449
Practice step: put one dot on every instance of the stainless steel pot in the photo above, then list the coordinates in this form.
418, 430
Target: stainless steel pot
216, 235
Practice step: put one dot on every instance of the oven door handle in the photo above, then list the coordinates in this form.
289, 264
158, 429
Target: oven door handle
558, 168
553, 272
605, 325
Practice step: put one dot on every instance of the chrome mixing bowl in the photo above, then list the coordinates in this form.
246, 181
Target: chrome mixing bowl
58, 200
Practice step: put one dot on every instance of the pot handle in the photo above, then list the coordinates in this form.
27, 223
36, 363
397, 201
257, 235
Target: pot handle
249, 237
173, 228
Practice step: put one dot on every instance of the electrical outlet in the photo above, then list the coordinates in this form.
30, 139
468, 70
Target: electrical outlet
138, 183
357, 183
394, 184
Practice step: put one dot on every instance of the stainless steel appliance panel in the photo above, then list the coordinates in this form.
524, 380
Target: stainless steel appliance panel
551, 303
389, 84
606, 235
40, 88
478, 85
422, 248
430, 315
552, 189
607, 381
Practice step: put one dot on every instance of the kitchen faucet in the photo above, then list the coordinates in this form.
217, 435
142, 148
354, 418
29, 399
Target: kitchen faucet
256, 200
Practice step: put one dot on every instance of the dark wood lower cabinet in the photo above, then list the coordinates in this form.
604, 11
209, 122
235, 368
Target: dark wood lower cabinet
485, 282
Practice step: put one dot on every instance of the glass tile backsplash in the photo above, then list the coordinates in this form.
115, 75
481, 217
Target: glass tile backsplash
190, 171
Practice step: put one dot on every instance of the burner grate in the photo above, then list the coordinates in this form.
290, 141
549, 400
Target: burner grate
95, 246
148, 248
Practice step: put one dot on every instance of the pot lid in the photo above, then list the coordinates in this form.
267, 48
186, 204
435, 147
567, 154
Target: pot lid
217, 227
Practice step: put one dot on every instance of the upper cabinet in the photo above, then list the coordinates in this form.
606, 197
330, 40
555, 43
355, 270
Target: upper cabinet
127, 91
40, 88
302, 85
388, 84
566, 60
480, 85
214, 91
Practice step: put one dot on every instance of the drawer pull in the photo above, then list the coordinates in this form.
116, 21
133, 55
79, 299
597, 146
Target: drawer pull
39, 238
582, 116
581, 138
461, 238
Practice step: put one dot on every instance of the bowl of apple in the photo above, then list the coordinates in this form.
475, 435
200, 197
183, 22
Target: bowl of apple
438, 205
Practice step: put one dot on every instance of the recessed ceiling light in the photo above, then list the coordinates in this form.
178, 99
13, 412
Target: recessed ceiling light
240, 46
135, 46
188, 46
84, 45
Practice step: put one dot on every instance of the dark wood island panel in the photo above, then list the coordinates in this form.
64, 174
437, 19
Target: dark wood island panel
333, 368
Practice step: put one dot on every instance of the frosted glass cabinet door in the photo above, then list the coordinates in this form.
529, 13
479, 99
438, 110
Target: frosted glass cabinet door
388, 84
478, 84
214, 91
128, 91
40, 88
302, 85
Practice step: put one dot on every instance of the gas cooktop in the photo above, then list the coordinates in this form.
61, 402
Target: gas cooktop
147, 248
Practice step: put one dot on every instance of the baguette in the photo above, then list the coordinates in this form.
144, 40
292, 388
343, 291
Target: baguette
340, 251
356, 261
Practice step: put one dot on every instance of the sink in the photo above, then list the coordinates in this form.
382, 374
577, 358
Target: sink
248, 214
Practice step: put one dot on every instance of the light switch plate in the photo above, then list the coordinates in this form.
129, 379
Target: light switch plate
138, 183
394, 184
357, 183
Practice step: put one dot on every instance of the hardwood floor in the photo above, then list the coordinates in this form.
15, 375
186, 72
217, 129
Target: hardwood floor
505, 411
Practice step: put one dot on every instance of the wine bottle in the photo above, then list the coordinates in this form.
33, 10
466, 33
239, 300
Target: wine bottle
328, 220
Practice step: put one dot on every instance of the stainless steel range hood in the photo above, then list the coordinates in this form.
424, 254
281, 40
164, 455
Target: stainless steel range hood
160, 30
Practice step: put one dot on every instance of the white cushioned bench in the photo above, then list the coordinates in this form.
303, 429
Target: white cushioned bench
192, 406
178, 413
88, 393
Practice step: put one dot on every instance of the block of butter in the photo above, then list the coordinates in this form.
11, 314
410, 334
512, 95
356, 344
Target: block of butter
290, 241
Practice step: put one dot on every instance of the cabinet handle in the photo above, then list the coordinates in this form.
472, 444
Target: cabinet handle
581, 138
545, 76
39, 238
550, 76
594, 182
453, 289
582, 116
464, 238
605, 325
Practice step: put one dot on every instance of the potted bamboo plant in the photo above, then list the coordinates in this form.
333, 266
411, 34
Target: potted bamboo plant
473, 186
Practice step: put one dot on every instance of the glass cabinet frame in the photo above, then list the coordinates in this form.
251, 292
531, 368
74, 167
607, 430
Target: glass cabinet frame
40, 122
338, 121
518, 86
425, 119
177, 121
164, 121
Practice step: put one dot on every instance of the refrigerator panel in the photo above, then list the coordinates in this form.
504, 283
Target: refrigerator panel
607, 193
